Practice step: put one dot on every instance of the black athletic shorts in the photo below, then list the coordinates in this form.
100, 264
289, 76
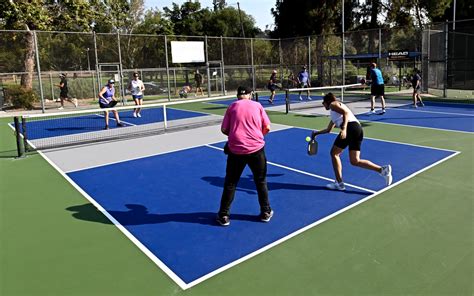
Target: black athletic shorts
354, 137
109, 105
377, 89
272, 87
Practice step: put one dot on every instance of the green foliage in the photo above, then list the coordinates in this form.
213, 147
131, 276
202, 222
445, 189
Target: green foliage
20, 97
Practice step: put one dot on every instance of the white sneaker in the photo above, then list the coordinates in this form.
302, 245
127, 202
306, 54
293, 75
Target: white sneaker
139, 115
309, 98
387, 174
372, 111
301, 98
60, 108
383, 111
134, 114
336, 186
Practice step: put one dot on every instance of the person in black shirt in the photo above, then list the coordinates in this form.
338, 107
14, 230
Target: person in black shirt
63, 92
416, 83
198, 80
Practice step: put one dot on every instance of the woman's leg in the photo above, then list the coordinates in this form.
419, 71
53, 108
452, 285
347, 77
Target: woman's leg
106, 113
336, 162
354, 156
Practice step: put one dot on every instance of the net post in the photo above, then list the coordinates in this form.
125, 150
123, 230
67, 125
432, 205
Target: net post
18, 137
287, 101
25, 137
342, 93
256, 96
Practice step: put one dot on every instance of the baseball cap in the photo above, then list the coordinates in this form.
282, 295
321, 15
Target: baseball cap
62, 75
111, 81
243, 90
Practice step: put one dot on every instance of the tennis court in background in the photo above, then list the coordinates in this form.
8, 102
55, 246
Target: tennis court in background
174, 225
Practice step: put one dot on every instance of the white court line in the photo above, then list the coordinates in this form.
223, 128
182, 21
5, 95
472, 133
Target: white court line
303, 172
434, 112
416, 126
175, 277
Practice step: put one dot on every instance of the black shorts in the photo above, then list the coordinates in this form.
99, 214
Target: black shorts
272, 87
63, 94
354, 137
109, 105
377, 89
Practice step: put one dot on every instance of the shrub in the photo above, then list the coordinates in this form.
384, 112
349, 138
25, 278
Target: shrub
20, 97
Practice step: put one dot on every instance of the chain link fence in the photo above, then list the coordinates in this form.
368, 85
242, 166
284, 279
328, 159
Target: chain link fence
90, 59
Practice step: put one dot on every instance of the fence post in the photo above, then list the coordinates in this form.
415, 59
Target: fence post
253, 65
96, 62
38, 69
207, 68
309, 57
122, 89
224, 91
445, 84
167, 69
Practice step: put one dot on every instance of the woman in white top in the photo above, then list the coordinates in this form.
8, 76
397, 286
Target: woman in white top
136, 87
351, 135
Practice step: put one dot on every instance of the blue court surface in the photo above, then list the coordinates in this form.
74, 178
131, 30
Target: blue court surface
445, 116
63, 126
168, 202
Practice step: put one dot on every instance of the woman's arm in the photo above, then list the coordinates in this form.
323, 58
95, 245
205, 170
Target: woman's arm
328, 129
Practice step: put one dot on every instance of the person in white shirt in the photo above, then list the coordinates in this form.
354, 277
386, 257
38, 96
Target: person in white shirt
137, 88
351, 135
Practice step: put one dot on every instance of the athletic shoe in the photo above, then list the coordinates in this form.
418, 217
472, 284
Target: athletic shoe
270, 101
134, 114
266, 216
387, 174
106, 127
74, 101
422, 104
120, 124
223, 221
309, 99
336, 186
139, 115
301, 98
372, 111
415, 106
383, 111
60, 108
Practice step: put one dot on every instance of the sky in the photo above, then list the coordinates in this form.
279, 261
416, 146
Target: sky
259, 9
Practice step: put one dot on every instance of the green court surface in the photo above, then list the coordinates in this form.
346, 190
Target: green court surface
413, 239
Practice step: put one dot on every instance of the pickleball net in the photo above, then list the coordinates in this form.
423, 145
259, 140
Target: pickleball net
54, 130
311, 97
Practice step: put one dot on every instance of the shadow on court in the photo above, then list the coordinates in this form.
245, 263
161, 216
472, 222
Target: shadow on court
247, 185
139, 215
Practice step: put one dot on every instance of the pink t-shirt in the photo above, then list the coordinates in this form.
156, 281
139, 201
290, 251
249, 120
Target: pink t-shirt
245, 120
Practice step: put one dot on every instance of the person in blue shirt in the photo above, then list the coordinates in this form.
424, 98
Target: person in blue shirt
304, 81
107, 100
377, 88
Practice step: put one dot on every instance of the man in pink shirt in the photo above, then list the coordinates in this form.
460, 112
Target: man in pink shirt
245, 123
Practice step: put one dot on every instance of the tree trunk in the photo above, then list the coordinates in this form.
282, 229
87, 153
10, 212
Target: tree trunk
29, 62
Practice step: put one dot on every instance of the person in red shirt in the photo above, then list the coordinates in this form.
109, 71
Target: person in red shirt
245, 123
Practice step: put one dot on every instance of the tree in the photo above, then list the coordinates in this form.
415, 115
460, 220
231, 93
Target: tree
48, 15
